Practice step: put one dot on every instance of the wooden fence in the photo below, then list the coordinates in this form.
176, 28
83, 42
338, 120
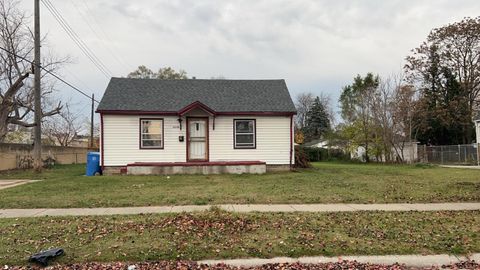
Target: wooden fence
14, 156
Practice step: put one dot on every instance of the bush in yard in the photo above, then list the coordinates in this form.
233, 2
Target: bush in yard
322, 154
316, 154
301, 158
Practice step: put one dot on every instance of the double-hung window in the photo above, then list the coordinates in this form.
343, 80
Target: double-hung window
151, 133
244, 134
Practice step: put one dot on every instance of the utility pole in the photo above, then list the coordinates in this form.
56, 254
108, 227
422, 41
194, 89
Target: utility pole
37, 147
91, 122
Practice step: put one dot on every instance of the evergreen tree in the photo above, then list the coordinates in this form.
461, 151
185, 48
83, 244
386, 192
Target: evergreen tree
317, 122
442, 115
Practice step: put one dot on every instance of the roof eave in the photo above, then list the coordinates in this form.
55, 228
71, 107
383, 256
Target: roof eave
226, 113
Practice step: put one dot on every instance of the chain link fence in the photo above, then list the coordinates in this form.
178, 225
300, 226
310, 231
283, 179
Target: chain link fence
462, 154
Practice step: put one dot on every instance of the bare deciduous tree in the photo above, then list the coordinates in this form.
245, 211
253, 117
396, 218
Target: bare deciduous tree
383, 120
392, 110
96, 132
16, 91
404, 106
303, 103
63, 128
378, 115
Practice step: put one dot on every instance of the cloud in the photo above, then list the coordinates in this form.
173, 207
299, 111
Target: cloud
314, 45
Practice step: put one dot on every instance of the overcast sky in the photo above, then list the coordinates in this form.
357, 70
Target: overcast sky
316, 46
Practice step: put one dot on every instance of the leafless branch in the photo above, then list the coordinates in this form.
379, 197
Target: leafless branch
16, 90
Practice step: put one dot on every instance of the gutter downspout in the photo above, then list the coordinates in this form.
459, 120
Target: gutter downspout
101, 143
291, 140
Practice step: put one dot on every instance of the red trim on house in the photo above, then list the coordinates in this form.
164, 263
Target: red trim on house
140, 135
250, 113
196, 163
207, 139
291, 140
102, 151
257, 113
195, 105
120, 112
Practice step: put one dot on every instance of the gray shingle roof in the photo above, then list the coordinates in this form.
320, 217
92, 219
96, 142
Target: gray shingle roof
220, 95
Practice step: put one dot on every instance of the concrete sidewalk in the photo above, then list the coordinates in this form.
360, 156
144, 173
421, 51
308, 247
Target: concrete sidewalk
240, 208
408, 260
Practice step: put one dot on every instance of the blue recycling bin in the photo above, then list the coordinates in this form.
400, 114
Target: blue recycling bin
93, 163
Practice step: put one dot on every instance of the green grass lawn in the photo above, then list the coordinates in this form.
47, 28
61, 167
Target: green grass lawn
65, 186
217, 234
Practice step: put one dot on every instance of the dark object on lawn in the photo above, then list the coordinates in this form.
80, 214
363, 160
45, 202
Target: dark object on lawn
43, 256
49, 162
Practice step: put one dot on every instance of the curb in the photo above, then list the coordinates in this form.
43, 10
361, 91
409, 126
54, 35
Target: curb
408, 260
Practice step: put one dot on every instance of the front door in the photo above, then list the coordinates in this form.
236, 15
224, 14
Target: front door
197, 139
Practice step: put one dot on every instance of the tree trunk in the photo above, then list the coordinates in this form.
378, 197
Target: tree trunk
3, 132
367, 158
4, 112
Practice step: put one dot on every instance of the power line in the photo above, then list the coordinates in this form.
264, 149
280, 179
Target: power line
126, 63
77, 80
67, 83
51, 73
89, 20
76, 38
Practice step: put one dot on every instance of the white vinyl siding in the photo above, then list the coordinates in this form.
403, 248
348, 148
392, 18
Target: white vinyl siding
121, 140
272, 140
122, 144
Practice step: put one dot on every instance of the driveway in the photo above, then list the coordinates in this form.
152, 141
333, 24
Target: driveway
461, 167
14, 182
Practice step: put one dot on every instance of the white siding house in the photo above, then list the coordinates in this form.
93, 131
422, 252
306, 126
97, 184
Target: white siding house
477, 131
121, 141
196, 123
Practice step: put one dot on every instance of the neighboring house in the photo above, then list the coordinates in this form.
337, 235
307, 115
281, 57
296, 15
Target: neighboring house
84, 141
80, 141
320, 143
477, 128
19, 134
152, 126
407, 153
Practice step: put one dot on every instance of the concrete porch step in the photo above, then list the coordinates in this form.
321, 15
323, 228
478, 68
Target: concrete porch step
196, 167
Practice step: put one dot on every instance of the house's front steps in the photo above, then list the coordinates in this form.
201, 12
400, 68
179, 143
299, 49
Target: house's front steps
222, 167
